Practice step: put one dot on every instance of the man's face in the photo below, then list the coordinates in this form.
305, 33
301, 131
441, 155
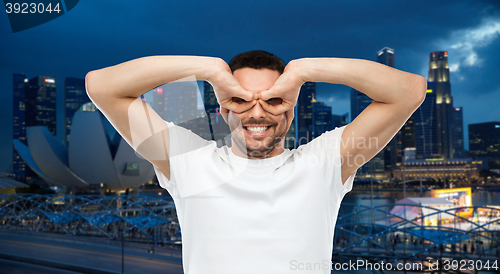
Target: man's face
262, 133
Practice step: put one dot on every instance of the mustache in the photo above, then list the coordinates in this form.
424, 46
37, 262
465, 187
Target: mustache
258, 122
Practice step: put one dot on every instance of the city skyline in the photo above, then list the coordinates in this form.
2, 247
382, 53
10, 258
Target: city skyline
66, 47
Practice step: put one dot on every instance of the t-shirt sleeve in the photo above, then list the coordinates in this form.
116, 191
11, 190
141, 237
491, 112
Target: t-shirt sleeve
326, 148
190, 155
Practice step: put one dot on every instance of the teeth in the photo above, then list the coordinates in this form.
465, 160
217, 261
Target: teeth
257, 129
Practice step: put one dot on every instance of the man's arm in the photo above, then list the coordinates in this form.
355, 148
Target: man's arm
115, 90
396, 94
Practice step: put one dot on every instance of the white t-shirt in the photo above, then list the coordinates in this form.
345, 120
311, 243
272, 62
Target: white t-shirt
238, 215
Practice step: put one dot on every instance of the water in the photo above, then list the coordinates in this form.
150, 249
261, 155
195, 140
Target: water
479, 198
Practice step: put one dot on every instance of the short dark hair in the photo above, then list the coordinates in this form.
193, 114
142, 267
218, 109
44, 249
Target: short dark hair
257, 59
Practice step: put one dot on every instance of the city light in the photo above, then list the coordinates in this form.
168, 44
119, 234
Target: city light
51, 81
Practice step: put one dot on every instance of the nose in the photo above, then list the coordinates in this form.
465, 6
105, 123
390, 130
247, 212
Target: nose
257, 112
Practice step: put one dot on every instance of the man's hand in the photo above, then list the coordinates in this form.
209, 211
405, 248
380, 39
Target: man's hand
283, 95
229, 93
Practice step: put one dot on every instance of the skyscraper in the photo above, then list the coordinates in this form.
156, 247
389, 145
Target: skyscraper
484, 141
291, 136
458, 132
408, 134
359, 101
382, 164
19, 125
218, 127
41, 103
425, 125
439, 73
339, 120
75, 96
393, 151
34, 104
209, 99
386, 56
179, 101
304, 112
321, 119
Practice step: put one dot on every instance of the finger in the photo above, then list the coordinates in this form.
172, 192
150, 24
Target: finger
238, 107
273, 92
277, 89
236, 90
274, 109
244, 94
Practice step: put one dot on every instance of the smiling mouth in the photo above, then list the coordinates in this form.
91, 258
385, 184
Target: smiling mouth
257, 129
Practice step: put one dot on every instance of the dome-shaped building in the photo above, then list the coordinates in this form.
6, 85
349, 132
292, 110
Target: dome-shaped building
91, 160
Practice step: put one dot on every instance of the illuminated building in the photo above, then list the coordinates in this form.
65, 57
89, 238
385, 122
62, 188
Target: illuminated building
75, 96
393, 151
209, 99
218, 127
425, 126
385, 162
409, 154
41, 103
321, 119
458, 132
291, 136
439, 168
439, 75
408, 134
415, 207
304, 112
19, 168
460, 197
34, 103
340, 120
484, 141
176, 102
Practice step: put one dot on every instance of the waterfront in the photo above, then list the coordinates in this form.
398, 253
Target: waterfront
362, 197
381, 198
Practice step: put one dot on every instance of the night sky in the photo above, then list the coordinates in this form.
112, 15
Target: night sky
97, 34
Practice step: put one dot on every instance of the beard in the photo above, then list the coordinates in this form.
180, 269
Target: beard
257, 148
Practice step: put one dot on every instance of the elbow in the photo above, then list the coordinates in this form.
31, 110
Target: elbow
90, 83
419, 89
88, 79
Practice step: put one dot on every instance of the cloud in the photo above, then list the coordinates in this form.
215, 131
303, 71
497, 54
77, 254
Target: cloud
464, 44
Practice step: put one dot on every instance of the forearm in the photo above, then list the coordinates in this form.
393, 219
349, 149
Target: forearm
135, 77
379, 82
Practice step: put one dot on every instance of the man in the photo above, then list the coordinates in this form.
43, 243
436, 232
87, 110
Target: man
256, 207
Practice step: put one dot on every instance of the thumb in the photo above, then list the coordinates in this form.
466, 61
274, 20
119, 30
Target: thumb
273, 92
